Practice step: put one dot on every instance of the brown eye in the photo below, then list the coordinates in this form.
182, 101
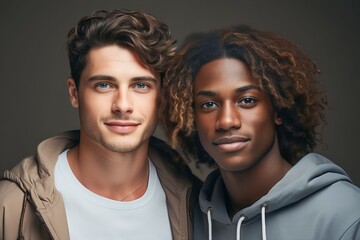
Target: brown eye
208, 105
247, 101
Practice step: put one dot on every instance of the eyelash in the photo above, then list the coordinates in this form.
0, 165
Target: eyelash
99, 85
142, 84
245, 102
138, 85
251, 99
205, 105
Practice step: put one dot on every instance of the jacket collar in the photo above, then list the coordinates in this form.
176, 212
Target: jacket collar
35, 176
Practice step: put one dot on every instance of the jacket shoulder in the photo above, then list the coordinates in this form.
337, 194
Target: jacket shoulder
180, 185
172, 170
11, 201
13, 212
10, 193
167, 159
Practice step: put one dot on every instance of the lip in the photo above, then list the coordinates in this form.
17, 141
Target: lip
231, 144
122, 127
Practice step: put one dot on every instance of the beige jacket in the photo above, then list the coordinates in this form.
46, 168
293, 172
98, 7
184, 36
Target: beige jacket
31, 207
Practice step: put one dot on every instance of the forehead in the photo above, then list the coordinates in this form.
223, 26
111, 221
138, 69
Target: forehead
223, 72
116, 59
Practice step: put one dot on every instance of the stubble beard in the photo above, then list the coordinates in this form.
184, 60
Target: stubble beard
126, 143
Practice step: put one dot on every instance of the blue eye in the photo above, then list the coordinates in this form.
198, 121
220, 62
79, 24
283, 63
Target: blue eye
103, 85
141, 85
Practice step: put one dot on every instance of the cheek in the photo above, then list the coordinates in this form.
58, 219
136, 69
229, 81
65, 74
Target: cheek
153, 101
96, 103
262, 115
92, 104
150, 113
264, 122
147, 105
205, 126
199, 121
88, 112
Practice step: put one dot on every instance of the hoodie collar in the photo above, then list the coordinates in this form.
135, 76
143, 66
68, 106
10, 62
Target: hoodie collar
312, 173
309, 175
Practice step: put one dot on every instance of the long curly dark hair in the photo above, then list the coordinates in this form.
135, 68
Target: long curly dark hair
280, 68
150, 38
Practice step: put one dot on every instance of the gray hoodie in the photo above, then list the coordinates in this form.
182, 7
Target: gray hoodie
315, 200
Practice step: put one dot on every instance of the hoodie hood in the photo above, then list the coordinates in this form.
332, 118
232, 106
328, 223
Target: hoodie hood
310, 174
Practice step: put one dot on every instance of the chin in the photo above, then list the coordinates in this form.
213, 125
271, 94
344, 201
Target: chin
233, 165
121, 148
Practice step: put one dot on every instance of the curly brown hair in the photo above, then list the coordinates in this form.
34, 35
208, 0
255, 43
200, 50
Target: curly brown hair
150, 38
280, 68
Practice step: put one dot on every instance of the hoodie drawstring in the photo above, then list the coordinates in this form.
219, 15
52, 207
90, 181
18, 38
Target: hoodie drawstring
238, 227
209, 223
263, 222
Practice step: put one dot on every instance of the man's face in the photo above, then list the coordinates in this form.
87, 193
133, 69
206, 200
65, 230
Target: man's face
235, 120
117, 99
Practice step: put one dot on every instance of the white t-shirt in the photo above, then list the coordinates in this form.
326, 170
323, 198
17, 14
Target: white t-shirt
93, 217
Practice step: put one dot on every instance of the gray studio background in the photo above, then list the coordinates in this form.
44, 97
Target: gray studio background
33, 65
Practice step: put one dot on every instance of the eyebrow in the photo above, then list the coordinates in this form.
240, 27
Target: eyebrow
237, 90
101, 77
111, 78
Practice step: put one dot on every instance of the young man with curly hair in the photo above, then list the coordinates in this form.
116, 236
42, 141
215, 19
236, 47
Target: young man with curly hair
111, 179
247, 101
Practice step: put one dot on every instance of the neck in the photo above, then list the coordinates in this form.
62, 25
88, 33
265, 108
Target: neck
117, 176
246, 187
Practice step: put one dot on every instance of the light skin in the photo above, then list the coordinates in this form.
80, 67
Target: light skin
236, 124
117, 99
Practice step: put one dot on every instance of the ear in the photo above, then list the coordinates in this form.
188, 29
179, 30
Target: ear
277, 119
73, 94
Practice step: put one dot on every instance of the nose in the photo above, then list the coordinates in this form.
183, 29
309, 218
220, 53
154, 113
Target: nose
122, 102
228, 117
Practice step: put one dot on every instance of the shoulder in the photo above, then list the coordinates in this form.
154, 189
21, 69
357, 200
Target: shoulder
342, 194
166, 158
169, 164
9, 192
11, 202
11, 199
162, 149
339, 202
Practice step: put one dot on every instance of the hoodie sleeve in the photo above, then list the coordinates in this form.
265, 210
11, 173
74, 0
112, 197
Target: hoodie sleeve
353, 233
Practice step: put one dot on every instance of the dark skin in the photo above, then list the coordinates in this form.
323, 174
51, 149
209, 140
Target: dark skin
246, 188
236, 123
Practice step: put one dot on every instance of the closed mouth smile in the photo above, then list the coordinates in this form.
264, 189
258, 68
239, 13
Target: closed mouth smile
231, 144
